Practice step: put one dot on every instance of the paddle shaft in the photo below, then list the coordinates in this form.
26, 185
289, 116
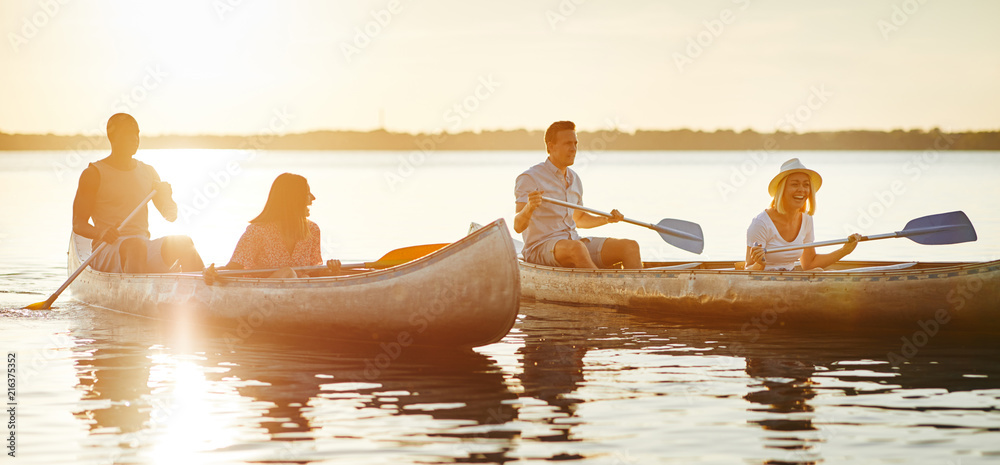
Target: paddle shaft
627, 220
905, 233
48, 302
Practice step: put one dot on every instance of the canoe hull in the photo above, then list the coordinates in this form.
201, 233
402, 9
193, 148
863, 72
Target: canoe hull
466, 294
959, 295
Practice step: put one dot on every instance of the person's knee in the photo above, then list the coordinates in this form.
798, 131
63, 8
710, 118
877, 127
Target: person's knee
133, 255
180, 242
577, 253
132, 247
630, 248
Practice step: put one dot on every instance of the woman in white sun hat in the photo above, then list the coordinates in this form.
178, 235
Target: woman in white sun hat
789, 221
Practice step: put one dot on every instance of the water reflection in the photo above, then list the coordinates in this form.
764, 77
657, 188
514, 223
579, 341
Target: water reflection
787, 388
570, 384
792, 369
182, 397
115, 378
344, 396
552, 357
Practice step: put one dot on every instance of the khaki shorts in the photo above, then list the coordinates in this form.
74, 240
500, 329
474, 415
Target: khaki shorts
544, 253
109, 258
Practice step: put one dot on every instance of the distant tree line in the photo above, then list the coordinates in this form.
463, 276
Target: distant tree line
521, 139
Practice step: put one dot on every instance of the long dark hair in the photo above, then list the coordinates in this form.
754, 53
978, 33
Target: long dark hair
286, 207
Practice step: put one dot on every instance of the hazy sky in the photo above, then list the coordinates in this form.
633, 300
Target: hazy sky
251, 66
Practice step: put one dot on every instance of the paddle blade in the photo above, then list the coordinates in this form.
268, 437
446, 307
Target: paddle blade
405, 254
694, 244
39, 306
943, 228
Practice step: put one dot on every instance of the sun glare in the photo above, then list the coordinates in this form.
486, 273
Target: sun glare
184, 417
212, 208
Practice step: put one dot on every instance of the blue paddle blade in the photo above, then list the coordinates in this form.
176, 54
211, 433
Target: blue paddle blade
691, 239
940, 229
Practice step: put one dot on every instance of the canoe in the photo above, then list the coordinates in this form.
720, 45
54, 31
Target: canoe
466, 294
848, 295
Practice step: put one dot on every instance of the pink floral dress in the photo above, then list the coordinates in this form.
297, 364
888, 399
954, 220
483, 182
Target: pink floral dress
261, 247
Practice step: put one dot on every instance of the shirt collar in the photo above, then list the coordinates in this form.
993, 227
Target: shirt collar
555, 170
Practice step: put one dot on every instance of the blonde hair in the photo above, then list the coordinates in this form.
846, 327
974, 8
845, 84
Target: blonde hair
809, 207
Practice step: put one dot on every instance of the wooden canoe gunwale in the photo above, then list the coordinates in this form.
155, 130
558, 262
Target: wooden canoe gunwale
434, 299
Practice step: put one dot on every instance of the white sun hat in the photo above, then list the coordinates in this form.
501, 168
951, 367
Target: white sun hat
791, 167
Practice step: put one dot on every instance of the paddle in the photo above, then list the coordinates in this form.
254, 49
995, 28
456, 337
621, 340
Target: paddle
943, 228
682, 234
52, 298
393, 258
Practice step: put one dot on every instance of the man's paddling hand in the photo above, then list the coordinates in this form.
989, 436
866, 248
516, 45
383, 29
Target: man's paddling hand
163, 189
164, 201
534, 200
525, 210
616, 216
109, 235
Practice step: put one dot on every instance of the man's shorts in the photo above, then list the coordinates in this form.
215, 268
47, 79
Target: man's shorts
109, 259
544, 253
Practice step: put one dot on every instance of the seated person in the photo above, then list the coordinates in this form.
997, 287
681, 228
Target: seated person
789, 221
549, 230
109, 190
281, 236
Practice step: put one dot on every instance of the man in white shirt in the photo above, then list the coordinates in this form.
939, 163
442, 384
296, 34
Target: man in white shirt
549, 230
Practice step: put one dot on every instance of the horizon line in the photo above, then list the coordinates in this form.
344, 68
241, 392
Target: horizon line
632, 131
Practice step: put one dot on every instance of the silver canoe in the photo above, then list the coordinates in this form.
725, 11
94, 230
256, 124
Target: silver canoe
850, 294
464, 295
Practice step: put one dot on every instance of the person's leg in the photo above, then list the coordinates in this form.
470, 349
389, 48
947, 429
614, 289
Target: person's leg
624, 251
286, 273
181, 248
132, 254
572, 254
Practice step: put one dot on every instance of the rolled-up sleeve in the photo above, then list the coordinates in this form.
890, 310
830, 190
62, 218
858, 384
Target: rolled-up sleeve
523, 186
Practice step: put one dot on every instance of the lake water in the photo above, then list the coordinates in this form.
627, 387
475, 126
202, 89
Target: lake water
588, 385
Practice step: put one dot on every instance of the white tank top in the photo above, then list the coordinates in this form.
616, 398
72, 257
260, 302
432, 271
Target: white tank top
119, 192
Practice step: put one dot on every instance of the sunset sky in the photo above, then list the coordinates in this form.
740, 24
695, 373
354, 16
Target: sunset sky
253, 66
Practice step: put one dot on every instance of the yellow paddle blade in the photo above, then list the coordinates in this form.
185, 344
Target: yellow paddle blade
38, 306
405, 254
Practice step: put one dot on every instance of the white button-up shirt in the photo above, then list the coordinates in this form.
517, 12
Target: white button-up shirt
549, 221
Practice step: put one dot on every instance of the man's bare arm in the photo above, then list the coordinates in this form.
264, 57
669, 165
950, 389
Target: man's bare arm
163, 200
585, 220
524, 211
84, 203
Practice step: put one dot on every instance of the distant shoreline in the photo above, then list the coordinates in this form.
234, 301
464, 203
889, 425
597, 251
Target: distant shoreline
680, 139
